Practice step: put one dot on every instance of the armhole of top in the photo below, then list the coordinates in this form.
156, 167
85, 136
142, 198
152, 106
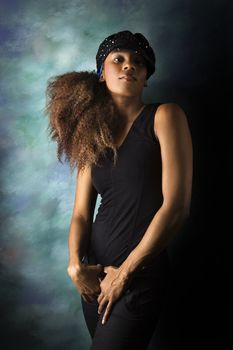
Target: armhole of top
154, 116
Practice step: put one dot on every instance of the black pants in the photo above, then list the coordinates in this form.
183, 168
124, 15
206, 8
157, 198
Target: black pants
134, 315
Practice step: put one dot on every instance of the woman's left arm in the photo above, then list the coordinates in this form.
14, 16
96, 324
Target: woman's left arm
172, 130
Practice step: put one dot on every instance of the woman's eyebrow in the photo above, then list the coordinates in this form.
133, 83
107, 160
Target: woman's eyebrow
116, 51
135, 54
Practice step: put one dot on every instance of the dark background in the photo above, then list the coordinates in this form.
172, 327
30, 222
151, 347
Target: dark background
193, 44
198, 312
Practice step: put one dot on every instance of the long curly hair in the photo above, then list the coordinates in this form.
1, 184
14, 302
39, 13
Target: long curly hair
83, 119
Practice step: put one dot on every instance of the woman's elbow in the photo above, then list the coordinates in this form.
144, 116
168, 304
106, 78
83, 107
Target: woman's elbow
182, 207
185, 213
178, 213
178, 216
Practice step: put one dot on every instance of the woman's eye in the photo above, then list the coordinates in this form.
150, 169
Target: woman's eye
116, 58
137, 61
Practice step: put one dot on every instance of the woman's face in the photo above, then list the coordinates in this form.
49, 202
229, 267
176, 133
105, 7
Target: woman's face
120, 63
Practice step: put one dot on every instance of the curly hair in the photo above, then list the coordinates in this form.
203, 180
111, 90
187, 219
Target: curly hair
83, 119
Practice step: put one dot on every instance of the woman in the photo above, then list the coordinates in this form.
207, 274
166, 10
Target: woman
139, 158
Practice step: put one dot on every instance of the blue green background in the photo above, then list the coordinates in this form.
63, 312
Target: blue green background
40, 306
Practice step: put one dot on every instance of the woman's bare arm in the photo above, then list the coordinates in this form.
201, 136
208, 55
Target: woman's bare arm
171, 129
82, 216
85, 277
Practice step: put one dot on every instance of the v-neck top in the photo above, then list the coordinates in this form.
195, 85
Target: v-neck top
131, 192
131, 127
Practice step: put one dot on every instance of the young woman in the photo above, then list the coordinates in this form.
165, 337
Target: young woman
138, 157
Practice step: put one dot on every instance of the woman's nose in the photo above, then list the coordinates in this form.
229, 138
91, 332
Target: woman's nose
128, 65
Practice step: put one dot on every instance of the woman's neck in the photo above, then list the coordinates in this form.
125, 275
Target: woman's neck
129, 107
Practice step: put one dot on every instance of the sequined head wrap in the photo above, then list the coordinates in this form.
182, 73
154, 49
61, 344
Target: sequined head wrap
126, 40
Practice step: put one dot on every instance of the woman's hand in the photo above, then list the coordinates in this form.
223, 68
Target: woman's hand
112, 287
87, 279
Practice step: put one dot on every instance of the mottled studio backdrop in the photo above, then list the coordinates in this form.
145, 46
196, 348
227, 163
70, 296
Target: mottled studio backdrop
40, 307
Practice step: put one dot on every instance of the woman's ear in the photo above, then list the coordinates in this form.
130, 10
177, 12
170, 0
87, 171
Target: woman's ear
102, 76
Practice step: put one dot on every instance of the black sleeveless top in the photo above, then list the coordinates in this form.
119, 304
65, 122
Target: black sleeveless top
131, 192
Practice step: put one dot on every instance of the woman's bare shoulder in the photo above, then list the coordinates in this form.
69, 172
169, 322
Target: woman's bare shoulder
170, 107
169, 115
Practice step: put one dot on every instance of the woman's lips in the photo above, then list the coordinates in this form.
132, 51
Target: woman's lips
128, 78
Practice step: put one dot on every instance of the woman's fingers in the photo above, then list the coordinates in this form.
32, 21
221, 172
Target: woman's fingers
100, 297
101, 301
107, 312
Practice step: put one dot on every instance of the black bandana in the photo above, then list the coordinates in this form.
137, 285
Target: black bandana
126, 40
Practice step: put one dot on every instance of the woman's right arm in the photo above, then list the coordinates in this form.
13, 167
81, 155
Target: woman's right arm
84, 277
82, 216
